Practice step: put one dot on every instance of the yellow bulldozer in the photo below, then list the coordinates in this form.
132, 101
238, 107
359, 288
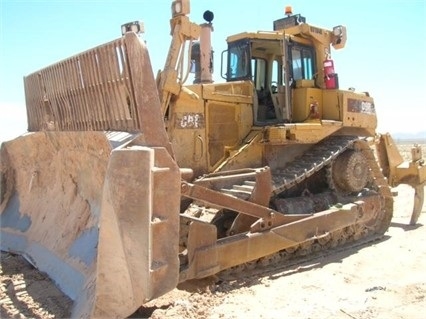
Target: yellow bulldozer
127, 184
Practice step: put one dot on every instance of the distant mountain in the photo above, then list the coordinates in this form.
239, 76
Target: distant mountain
421, 136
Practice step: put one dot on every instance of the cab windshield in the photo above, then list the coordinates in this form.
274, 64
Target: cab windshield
239, 61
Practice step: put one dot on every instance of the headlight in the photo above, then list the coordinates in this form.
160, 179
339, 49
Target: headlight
135, 26
338, 31
180, 7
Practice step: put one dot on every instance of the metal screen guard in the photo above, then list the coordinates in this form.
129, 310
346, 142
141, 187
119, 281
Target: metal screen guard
110, 87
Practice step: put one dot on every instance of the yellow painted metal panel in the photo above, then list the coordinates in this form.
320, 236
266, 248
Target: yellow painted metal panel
332, 109
302, 99
358, 110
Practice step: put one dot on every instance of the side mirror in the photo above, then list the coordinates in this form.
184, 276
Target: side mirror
224, 60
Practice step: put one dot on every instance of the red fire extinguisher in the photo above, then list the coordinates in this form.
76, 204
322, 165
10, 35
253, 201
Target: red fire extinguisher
330, 78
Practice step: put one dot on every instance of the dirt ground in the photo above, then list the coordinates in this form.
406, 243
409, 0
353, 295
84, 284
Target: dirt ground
382, 279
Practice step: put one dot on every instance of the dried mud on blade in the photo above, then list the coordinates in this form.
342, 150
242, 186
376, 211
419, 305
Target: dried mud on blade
90, 212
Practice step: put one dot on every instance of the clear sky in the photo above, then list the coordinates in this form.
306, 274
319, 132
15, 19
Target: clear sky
385, 53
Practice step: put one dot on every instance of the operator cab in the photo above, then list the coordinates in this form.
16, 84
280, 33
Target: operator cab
259, 57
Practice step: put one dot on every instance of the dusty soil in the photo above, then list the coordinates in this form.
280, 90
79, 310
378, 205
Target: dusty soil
382, 279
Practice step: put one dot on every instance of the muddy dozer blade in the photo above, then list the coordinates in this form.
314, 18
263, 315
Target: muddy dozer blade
89, 209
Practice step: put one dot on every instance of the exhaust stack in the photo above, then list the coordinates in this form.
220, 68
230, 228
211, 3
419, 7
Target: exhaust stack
202, 53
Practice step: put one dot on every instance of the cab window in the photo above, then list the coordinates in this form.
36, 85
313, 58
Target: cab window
258, 67
302, 63
239, 62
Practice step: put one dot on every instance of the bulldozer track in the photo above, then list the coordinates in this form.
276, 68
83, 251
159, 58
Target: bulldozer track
319, 157
287, 259
312, 161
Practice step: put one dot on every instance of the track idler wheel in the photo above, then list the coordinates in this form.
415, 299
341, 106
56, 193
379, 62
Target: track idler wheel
350, 172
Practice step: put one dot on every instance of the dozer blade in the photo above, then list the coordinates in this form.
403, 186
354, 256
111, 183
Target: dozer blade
88, 209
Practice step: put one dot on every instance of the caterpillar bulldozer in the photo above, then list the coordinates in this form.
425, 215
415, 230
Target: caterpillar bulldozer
127, 184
